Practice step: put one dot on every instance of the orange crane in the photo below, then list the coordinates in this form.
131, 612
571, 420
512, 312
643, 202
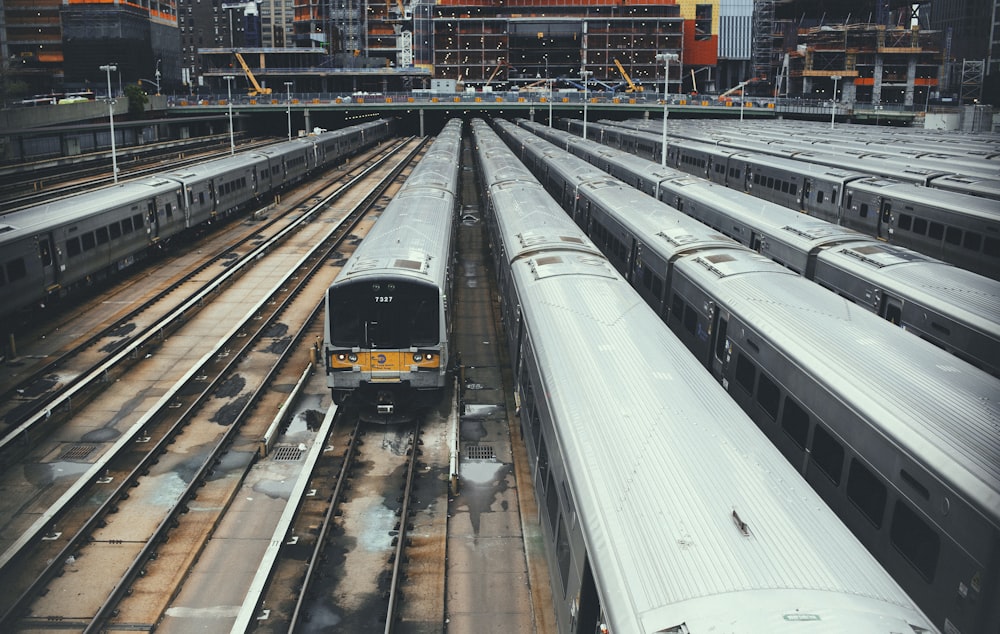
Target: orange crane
257, 89
628, 80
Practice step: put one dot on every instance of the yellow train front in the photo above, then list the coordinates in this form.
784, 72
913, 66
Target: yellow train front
387, 326
386, 341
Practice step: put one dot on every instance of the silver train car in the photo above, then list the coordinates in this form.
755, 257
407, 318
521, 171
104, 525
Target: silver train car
387, 312
663, 509
961, 229
54, 249
952, 308
898, 437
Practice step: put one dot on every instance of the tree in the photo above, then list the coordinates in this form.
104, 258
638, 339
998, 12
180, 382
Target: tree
137, 99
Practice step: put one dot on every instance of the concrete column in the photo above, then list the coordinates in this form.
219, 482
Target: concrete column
877, 86
911, 76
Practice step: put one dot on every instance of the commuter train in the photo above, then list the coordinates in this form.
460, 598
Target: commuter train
662, 507
52, 249
388, 313
960, 229
953, 308
899, 438
961, 173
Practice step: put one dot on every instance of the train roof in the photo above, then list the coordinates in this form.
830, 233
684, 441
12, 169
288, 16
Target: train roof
879, 369
412, 237
971, 297
646, 432
82, 207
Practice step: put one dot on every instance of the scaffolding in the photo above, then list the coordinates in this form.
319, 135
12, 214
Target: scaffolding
763, 41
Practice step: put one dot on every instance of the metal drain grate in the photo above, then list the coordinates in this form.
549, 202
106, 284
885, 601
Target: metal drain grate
287, 453
480, 452
77, 452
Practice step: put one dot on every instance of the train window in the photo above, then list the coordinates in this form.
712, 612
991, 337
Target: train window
102, 235
170, 210
991, 247
867, 492
127, 225
912, 481
770, 182
795, 422
690, 319
677, 307
920, 225
972, 241
953, 235
116, 230
738, 173
647, 278
73, 247
543, 461
563, 554
137, 221
819, 196
657, 287
828, 454
863, 211
915, 540
551, 501
745, 373
905, 221
784, 187
768, 396
793, 189
87, 240
936, 231
756, 179
833, 196
16, 270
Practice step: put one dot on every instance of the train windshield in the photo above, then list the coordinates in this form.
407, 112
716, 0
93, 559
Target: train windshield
384, 315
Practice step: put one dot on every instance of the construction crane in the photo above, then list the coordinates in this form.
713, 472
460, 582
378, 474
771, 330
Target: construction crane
257, 89
631, 86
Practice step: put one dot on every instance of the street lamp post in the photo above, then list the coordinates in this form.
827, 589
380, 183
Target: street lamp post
833, 101
584, 74
288, 107
111, 118
666, 58
743, 97
229, 101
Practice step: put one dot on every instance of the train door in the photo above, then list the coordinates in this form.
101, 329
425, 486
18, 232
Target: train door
47, 258
884, 218
756, 242
152, 220
720, 343
803, 200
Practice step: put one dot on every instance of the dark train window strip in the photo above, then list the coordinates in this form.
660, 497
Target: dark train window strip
795, 422
746, 372
16, 270
768, 396
866, 492
828, 454
915, 540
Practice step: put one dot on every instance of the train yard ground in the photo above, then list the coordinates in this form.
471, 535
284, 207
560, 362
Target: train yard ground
214, 532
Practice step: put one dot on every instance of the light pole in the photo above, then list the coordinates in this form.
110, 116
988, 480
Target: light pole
743, 97
288, 107
229, 101
548, 80
111, 117
666, 58
584, 74
833, 101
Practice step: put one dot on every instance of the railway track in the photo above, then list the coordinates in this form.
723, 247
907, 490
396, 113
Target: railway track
112, 514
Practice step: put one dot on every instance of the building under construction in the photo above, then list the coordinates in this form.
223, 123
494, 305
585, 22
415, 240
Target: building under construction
867, 63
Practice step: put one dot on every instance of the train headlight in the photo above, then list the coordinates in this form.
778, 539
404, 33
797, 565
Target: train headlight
417, 357
341, 356
429, 356
353, 358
